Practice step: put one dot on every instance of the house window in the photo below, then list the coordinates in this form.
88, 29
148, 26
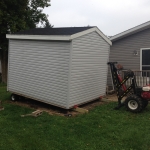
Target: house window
145, 60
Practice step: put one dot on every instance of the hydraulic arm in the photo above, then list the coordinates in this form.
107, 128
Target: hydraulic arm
119, 83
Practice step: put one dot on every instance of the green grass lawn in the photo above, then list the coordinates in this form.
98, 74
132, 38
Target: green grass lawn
101, 129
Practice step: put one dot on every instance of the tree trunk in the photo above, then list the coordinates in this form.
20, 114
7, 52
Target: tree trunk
4, 63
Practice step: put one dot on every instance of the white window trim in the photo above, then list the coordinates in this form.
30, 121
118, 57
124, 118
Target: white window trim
141, 56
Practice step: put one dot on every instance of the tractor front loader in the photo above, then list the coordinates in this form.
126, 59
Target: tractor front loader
137, 97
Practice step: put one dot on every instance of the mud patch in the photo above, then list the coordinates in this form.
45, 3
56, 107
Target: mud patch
53, 110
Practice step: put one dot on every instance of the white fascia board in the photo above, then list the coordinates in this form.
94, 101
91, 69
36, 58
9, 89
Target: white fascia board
39, 37
58, 37
103, 36
131, 31
89, 31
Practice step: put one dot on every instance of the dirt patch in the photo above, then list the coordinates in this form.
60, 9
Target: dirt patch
112, 97
52, 110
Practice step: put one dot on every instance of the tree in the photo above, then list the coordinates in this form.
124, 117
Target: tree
47, 24
17, 15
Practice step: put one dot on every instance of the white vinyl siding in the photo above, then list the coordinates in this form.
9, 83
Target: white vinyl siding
88, 68
61, 73
39, 69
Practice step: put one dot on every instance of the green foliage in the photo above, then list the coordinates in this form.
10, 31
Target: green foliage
16, 15
103, 128
4, 95
0, 77
47, 24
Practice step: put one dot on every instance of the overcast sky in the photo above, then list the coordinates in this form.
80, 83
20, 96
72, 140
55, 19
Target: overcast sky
110, 16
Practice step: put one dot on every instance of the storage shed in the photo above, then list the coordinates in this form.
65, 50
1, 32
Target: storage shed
59, 66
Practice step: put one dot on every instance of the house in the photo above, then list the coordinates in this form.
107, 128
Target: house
59, 66
131, 48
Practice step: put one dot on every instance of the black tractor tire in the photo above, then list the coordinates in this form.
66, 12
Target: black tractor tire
145, 103
134, 103
13, 97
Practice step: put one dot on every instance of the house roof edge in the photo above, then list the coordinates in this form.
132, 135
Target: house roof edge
131, 31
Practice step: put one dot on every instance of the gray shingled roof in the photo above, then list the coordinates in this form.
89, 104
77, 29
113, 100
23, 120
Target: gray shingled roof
53, 31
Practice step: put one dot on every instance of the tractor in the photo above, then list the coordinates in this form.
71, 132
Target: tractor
136, 97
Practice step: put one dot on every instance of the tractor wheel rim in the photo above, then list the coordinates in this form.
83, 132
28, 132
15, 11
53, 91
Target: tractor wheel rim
132, 104
13, 98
